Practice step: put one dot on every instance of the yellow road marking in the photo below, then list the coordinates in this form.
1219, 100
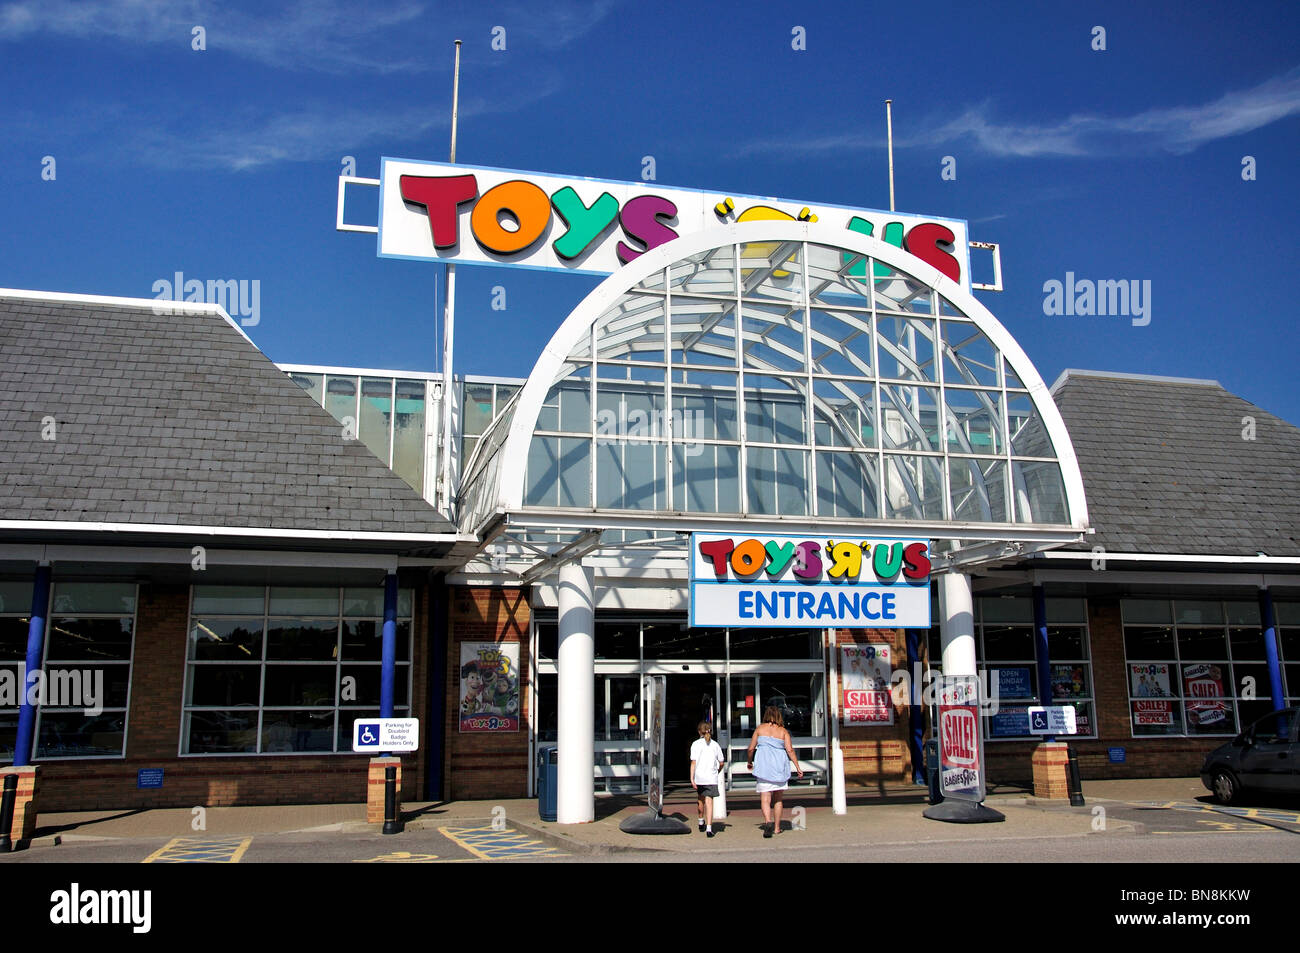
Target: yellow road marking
203, 850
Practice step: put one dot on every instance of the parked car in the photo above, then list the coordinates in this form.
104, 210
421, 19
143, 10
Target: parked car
1263, 758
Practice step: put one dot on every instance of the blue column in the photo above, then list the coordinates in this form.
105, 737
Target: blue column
1040, 649
388, 669
915, 713
35, 655
1269, 627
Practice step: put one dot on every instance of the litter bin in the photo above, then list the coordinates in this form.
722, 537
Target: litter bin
932, 770
547, 781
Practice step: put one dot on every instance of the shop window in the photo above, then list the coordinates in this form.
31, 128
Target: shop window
672, 640
1194, 667
776, 643
288, 669
1006, 657
88, 646
408, 433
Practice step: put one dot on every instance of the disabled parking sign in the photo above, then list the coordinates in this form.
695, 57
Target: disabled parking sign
373, 735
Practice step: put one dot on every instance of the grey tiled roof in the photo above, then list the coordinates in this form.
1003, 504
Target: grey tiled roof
175, 419
1166, 469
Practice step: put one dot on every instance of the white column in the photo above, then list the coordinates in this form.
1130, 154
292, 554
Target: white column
576, 787
957, 633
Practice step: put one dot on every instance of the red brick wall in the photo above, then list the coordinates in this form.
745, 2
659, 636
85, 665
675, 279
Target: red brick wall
874, 754
154, 727
481, 764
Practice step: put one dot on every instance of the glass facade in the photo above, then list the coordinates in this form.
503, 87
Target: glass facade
387, 414
727, 676
776, 379
286, 670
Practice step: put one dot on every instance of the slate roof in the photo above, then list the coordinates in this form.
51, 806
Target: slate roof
1166, 469
175, 419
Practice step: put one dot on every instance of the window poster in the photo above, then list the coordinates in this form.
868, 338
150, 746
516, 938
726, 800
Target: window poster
1203, 689
1149, 680
489, 686
865, 671
1069, 681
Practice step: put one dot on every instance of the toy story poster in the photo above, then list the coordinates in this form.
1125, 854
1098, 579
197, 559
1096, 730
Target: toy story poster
489, 686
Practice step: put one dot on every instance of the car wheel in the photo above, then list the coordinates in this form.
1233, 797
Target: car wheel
1226, 787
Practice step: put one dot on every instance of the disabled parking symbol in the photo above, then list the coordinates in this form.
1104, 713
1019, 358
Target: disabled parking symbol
368, 734
1038, 720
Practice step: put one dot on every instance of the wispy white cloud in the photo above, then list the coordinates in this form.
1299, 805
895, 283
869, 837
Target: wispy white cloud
1178, 129
331, 36
179, 135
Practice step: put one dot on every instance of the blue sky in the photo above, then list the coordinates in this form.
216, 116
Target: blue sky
222, 163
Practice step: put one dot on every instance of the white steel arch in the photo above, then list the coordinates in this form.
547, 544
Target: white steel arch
495, 478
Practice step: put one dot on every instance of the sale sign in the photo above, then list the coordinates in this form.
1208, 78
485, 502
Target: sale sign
865, 674
1203, 687
961, 753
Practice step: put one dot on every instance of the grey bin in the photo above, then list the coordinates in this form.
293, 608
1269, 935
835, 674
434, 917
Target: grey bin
547, 781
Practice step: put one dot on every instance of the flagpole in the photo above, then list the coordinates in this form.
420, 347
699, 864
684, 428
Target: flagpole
889, 127
449, 323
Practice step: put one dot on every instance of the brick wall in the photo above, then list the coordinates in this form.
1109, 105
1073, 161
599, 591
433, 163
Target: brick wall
486, 764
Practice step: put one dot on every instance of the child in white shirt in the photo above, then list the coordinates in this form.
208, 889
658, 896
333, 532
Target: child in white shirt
706, 760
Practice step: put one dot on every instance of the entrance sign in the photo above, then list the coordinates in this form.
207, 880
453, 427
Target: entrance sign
1052, 720
486, 216
865, 673
961, 750
385, 734
656, 688
784, 581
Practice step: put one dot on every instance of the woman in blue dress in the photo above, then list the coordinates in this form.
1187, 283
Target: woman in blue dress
771, 766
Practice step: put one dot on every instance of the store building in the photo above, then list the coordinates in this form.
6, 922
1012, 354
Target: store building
223, 542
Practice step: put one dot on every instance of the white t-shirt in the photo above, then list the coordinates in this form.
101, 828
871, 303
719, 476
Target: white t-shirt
707, 756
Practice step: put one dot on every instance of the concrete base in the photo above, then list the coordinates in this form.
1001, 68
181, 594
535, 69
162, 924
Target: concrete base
963, 812
649, 822
375, 789
24, 825
1051, 770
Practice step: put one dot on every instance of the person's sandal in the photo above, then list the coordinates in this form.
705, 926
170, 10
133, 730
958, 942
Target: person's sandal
767, 830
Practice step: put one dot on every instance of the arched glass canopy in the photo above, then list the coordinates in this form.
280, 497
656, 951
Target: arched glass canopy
783, 374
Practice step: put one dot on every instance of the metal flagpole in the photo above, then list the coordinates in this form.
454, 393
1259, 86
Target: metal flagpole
889, 128
449, 322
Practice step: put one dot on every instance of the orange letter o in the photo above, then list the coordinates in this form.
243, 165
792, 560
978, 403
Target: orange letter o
748, 557
525, 201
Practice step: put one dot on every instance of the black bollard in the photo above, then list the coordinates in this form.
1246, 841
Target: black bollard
7, 812
390, 800
932, 770
1075, 785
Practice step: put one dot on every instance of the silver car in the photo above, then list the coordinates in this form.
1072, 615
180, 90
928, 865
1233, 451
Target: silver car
1263, 758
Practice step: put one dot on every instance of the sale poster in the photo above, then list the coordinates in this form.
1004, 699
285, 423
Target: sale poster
489, 686
961, 754
865, 673
1203, 689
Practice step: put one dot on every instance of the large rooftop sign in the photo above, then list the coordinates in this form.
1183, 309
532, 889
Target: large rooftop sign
485, 216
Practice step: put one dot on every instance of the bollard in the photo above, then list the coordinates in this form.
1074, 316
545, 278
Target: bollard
7, 812
932, 770
1072, 776
391, 824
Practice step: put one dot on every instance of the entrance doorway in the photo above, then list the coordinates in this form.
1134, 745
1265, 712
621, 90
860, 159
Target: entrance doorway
690, 700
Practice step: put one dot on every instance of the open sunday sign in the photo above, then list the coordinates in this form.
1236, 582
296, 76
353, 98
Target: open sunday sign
782, 581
